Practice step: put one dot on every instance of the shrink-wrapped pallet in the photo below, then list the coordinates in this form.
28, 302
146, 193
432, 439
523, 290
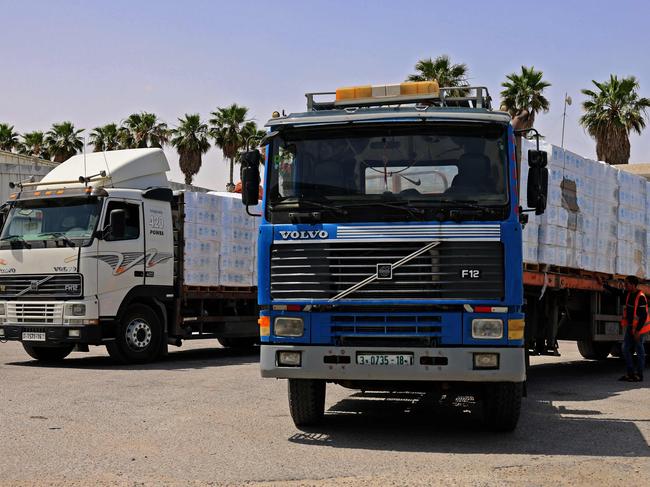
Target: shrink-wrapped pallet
220, 241
596, 217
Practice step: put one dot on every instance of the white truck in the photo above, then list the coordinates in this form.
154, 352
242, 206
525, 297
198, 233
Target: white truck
93, 255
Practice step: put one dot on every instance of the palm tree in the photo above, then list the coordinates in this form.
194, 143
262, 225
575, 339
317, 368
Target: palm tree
126, 139
63, 141
523, 97
8, 138
611, 113
226, 130
191, 142
442, 70
104, 138
33, 144
145, 130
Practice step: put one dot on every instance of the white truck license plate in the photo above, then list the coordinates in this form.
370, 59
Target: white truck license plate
403, 359
30, 336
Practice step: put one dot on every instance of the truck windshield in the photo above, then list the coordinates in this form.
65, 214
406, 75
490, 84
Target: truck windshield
432, 166
68, 220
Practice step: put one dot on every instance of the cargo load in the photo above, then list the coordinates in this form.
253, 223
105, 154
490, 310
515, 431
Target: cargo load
596, 216
220, 241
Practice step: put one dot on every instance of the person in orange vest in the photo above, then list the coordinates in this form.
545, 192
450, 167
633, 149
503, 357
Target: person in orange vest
636, 325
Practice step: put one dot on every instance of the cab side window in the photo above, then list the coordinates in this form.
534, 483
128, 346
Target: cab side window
132, 219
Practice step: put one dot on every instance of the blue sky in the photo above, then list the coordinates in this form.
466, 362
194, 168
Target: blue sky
95, 62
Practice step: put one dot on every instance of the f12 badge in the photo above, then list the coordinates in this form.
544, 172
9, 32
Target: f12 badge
470, 274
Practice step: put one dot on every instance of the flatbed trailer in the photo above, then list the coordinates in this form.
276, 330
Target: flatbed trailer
564, 303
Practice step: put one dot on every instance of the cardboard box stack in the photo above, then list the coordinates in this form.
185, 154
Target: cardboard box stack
595, 218
220, 241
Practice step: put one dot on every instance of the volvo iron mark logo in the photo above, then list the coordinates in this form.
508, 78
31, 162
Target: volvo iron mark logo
305, 234
384, 271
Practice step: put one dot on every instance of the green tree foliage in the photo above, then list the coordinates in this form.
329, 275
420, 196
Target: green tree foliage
226, 128
612, 111
191, 141
105, 138
442, 70
523, 96
141, 130
33, 144
8, 138
63, 141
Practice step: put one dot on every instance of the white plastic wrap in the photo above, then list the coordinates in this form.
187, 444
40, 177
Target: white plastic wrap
220, 241
596, 217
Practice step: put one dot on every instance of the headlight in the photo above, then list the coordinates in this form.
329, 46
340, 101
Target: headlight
74, 309
488, 328
288, 327
3, 309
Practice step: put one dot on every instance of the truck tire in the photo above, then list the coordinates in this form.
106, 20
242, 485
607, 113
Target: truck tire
238, 342
501, 405
48, 354
138, 337
306, 401
594, 350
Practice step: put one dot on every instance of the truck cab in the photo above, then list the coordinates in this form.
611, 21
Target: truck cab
77, 252
390, 252
94, 255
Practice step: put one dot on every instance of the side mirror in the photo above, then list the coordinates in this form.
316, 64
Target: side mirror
537, 191
117, 224
250, 177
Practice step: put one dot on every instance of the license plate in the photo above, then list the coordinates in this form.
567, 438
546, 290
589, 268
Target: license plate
400, 359
31, 336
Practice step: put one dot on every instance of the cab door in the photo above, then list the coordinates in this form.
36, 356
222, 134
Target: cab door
120, 259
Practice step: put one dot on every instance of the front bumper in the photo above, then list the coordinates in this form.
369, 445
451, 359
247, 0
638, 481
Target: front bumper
459, 364
88, 334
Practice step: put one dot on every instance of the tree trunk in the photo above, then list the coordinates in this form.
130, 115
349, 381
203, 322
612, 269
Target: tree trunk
231, 185
613, 146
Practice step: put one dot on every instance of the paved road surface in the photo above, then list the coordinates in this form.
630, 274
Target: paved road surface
204, 416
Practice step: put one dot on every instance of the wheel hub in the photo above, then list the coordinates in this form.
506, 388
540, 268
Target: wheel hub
138, 334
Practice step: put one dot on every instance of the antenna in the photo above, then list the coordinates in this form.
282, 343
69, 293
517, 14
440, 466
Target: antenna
105, 161
85, 173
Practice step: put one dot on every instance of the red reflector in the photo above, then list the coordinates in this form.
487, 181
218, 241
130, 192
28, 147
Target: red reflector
294, 307
483, 309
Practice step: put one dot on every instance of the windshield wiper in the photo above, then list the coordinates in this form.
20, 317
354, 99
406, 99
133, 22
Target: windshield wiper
17, 238
397, 204
60, 235
314, 204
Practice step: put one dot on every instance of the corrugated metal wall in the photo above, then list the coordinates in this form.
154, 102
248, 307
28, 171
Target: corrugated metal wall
17, 167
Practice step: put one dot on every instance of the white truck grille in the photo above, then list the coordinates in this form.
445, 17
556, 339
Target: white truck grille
35, 313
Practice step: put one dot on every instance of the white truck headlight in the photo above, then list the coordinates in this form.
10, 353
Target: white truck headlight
288, 327
487, 328
74, 309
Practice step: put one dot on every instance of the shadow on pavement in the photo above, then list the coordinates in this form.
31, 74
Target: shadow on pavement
195, 358
415, 422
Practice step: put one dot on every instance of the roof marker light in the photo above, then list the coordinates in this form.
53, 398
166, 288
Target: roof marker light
408, 88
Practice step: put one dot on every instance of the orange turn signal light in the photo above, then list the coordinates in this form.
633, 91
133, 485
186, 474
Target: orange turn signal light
265, 325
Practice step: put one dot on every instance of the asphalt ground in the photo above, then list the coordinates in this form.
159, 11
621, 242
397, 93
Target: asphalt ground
203, 416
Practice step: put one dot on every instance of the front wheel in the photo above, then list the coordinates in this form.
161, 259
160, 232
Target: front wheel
138, 336
501, 405
48, 354
306, 401
592, 350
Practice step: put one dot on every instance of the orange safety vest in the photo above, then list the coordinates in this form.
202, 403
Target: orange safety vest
645, 327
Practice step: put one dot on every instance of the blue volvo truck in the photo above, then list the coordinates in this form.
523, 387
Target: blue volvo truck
390, 248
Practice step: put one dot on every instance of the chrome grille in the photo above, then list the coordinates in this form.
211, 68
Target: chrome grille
41, 285
35, 313
321, 271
